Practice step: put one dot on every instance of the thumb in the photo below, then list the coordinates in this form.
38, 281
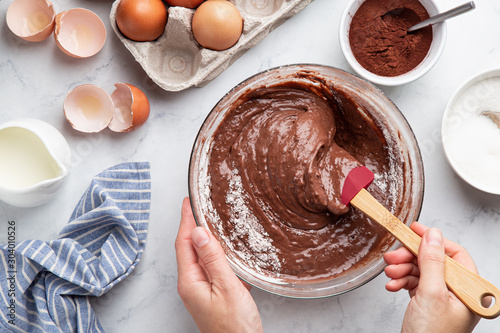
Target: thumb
431, 262
211, 255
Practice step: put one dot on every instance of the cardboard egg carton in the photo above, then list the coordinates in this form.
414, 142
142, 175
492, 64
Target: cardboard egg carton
175, 61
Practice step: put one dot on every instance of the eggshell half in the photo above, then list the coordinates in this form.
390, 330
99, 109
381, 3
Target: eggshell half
79, 32
131, 108
32, 20
88, 108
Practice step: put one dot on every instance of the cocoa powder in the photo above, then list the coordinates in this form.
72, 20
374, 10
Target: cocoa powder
379, 39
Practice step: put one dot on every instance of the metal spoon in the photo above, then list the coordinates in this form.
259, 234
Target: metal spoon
444, 16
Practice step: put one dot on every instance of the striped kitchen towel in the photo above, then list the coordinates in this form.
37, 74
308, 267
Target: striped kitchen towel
45, 286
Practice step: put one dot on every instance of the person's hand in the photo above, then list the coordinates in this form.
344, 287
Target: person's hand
432, 308
217, 300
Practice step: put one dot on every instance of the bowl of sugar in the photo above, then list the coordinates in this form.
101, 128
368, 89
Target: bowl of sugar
471, 131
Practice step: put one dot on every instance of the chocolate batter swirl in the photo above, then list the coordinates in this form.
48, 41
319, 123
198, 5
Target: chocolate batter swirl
277, 166
288, 159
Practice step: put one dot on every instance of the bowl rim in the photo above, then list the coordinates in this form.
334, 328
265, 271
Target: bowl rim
470, 81
378, 265
424, 67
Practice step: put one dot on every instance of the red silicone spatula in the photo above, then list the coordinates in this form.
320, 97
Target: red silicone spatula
469, 287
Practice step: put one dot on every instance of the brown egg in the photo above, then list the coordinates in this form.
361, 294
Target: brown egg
217, 25
185, 3
141, 20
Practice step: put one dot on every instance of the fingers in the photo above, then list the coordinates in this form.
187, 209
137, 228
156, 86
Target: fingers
453, 250
187, 221
403, 255
187, 259
429, 274
403, 275
186, 255
431, 261
399, 256
402, 270
459, 254
212, 256
406, 283
418, 228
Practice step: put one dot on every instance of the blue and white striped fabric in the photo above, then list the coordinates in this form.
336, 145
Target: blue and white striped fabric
99, 247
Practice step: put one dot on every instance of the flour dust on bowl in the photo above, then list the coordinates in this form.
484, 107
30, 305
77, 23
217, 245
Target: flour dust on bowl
471, 131
266, 169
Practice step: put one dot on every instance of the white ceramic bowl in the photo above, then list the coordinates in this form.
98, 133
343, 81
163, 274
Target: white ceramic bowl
437, 46
471, 141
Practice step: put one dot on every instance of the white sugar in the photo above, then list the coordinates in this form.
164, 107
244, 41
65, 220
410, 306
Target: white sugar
472, 140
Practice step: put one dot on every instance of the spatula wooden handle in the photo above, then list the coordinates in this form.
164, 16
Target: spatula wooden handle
469, 287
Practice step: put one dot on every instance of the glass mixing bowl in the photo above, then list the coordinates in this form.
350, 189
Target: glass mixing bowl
396, 130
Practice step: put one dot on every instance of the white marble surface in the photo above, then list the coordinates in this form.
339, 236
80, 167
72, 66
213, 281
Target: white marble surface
34, 79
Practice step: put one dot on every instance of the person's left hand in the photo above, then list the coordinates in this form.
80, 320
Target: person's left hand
217, 300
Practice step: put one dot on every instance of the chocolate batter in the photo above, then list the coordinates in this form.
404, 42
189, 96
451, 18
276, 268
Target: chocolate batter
276, 167
379, 39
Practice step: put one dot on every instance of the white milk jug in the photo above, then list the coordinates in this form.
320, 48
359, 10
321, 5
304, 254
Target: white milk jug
34, 162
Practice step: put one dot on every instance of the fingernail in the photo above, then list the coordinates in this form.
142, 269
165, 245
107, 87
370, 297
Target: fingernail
199, 236
434, 236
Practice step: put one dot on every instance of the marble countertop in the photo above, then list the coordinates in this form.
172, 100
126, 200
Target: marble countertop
35, 78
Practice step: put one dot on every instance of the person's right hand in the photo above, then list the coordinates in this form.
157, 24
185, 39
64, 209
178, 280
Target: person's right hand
432, 307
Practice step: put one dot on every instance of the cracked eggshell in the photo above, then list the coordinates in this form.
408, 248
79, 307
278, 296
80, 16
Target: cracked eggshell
32, 20
131, 108
88, 108
79, 32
